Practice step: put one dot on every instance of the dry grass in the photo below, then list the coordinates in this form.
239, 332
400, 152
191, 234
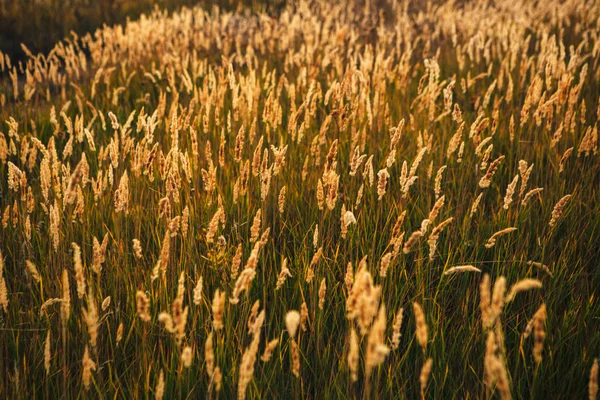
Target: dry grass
221, 204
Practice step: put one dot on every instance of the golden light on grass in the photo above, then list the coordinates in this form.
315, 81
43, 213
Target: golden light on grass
188, 190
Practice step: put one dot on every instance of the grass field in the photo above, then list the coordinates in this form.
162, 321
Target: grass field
335, 200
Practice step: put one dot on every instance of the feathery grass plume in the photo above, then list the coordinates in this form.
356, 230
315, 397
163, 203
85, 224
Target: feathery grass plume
497, 303
435, 210
279, 162
310, 272
264, 238
485, 157
164, 208
397, 230
122, 195
79, 274
3, 288
88, 366
304, 316
421, 326
525, 173
359, 195
256, 159
510, 191
565, 157
475, 205
213, 225
198, 291
283, 274
248, 361
521, 286
347, 219
120, 330
529, 195
163, 259
461, 268
396, 325
332, 190
320, 195
113, 120
558, 210
455, 139
424, 376
316, 237
160, 386
99, 253
385, 264
438, 181
217, 379
412, 241
495, 370
491, 242
377, 350
185, 218
397, 243
593, 385
265, 179
541, 266
266, 356
47, 354
557, 135
539, 333
417, 162
382, 176
362, 303
356, 160
253, 314
255, 229
236, 262
180, 314
33, 271
353, 355
239, 144
187, 356
173, 225
222, 144
322, 293
408, 179
589, 143
485, 180
391, 158
434, 236
295, 359
14, 177
485, 303
209, 356
137, 249
242, 284
281, 199
218, 307
65, 304
349, 276
461, 149
292, 320
90, 316
166, 319
143, 305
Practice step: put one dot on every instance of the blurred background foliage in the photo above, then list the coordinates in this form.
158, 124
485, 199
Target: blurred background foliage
40, 24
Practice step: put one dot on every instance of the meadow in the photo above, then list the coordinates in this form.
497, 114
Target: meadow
364, 199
